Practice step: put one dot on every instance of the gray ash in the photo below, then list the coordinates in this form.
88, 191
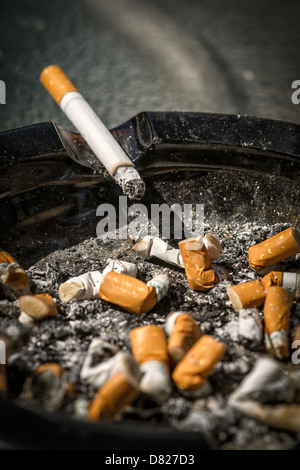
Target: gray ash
65, 338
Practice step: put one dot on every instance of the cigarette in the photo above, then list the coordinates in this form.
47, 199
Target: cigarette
11, 273
98, 374
277, 310
190, 375
198, 268
38, 306
155, 247
247, 294
265, 372
183, 332
119, 391
288, 280
149, 347
132, 294
87, 285
274, 249
98, 137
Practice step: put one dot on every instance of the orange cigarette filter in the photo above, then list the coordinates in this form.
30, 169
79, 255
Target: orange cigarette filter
13, 275
247, 294
38, 306
198, 268
274, 278
56, 82
53, 367
274, 249
191, 373
112, 397
184, 335
128, 292
148, 343
277, 309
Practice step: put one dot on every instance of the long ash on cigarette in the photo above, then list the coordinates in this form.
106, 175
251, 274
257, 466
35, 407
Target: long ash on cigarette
65, 338
98, 137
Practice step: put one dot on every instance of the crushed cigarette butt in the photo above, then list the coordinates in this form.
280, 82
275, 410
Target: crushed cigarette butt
277, 310
119, 391
183, 332
11, 273
149, 347
132, 294
190, 375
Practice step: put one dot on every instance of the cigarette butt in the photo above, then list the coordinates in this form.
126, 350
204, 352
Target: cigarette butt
112, 397
149, 347
213, 246
290, 281
277, 310
132, 294
38, 306
191, 373
247, 294
53, 367
98, 137
122, 267
274, 249
3, 379
83, 287
183, 333
198, 268
11, 272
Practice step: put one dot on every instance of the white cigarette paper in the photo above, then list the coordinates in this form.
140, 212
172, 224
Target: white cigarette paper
155, 381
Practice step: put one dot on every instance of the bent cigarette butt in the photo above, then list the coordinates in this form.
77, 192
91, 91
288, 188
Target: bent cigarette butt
149, 347
198, 268
191, 373
213, 246
118, 392
155, 247
183, 333
247, 294
277, 310
53, 367
132, 294
38, 306
274, 249
98, 137
11, 273
122, 267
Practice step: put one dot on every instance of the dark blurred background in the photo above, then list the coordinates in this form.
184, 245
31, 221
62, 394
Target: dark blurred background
127, 56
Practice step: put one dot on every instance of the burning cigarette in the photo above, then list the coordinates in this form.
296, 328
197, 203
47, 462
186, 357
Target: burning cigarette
247, 294
132, 294
190, 375
120, 390
98, 374
11, 272
155, 247
98, 137
198, 268
183, 332
87, 285
288, 280
277, 310
38, 306
149, 347
274, 249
